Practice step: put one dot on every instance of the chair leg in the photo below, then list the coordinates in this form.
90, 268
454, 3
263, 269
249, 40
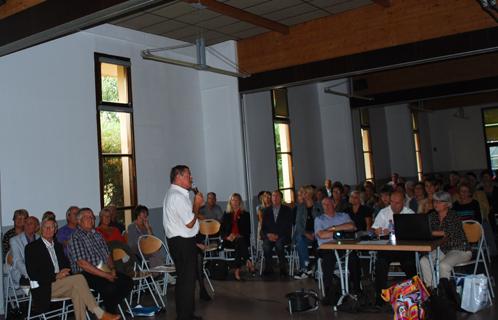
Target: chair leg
123, 315
152, 293
207, 278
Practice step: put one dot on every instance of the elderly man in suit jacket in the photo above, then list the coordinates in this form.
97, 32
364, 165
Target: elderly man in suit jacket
17, 245
49, 272
276, 232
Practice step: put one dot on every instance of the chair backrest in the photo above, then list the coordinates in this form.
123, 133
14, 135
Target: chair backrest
209, 227
9, 259
149, 244
473, 231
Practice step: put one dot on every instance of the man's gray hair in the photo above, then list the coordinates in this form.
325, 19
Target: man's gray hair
44, 221
68, 211
81, 211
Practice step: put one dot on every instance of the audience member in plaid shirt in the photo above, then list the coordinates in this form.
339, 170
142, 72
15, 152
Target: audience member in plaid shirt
90, 256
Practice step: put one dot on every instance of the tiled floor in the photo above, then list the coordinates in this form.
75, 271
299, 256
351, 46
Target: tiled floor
256, 299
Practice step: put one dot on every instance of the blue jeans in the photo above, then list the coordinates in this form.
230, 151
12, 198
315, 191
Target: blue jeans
302, 244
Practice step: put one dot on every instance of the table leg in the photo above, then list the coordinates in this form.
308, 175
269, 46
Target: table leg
343, 274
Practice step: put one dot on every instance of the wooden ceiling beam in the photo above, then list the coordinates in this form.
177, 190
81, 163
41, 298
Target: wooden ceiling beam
384, 3
14, 6
242, 15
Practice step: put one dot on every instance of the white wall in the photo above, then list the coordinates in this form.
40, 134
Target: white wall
400, 139
260, 144
337, 133
48, 132
306, 135
457, 144
225, 171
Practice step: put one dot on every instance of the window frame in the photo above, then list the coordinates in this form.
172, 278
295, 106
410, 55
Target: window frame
487, 144
365, 126
101, 105
416, 143
276, 119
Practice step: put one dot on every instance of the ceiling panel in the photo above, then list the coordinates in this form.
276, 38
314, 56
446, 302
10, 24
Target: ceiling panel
140, 21
272, 6
182, 21
165, 26
347, 5
304, 17
290, 12
197, 16
173, 10
242, 4
217, 22
250, 32
236, 27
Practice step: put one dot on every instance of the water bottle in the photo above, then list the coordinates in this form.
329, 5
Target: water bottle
392, 235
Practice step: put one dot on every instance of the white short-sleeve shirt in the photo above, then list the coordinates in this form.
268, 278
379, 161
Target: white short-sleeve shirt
386, 214
177, 213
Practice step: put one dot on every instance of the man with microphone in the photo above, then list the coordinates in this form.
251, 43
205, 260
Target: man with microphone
181, 227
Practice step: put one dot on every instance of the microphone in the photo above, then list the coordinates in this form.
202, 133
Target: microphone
194, 188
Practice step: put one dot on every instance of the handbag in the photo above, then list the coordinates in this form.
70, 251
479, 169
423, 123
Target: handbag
302, 300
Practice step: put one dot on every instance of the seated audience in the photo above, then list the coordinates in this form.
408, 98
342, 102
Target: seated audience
319, 195
341, 204
445, 223
19, 218
394, 180
48, 266
465, 207
361, 215
491, 190
90, 256
64, 234
383, 200
276, 231
452, 187
109, 232
431, 187
409, 192
304, 234
114, 218
211, 210
264, 198
140, 227
49, 215
384, 258
17, 245
325, 226
418, 202
236, 232
370, 199
327, 188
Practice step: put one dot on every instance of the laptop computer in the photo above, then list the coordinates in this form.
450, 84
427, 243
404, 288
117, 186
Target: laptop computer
413, 227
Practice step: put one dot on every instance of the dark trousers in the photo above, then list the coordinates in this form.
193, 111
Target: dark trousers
279, 246
328, 266
384, 258
112, 293
184, 254
241, 246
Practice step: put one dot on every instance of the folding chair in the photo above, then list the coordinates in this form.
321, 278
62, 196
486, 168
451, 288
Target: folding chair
142, 280
61, 312
13, 294
475, 236
149, 245
209, 228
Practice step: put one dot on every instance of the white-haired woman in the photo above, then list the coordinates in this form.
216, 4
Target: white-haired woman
445, 223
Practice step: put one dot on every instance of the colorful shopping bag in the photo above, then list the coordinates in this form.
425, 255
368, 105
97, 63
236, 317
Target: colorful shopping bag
407, 298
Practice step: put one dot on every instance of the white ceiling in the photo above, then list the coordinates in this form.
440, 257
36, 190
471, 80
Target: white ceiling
182, 21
